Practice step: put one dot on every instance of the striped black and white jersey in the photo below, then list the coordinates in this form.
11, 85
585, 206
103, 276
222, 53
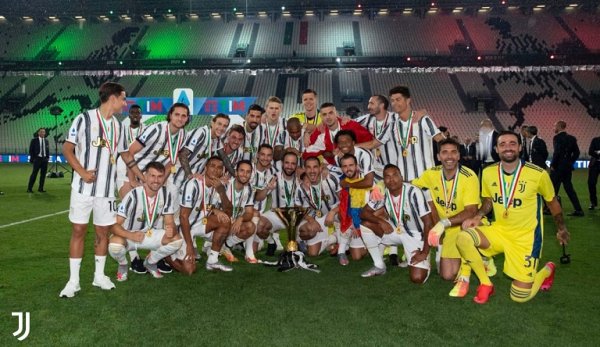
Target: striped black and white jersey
287, 141
323, 196
420, 147
415, 206
270, 133
286, 191
155, 140
259, 181
94, 148
239, 199
197, 143
364, 159
386, 132
131, 133
252, 142
234, 157
142, 213
200, 198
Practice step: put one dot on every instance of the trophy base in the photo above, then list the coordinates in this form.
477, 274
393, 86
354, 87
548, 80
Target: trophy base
292, 246
293, 260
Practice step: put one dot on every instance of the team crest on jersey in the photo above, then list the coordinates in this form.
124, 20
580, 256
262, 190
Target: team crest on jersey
325, 197
522, 186
414, 140
406, 218
163, 152
99, 142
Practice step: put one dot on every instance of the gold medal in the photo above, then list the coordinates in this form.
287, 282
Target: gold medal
112, 160
173, 169
405, 153
398, 230
319, 214
204, 220
505, 214
377, 152
149, 233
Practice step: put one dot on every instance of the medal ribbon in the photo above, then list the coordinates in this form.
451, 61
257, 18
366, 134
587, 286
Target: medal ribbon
315, 197
150, 210
174, 145
288, 194
401, 137
272, 136
507, 200
241, 198
137, 132
398, 210
449, 198
112, 144
377, 129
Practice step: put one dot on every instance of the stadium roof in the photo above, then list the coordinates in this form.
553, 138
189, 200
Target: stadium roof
250, 8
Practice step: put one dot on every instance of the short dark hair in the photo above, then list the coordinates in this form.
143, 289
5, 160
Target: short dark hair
327, 104
309, 91
382, 99
349, 156
243, 161
448, 141
220, 115
135, 106
443, 129
293, 121
214, 157
156, 166
172, 109
290, 153
392, 166
400, 90
532, 129
236, 128
508, 132
264, 145
109, 88
256, 107
312, 157
344, 133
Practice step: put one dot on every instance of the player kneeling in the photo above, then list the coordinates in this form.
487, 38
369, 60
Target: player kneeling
145, 221
408, 222
204, 213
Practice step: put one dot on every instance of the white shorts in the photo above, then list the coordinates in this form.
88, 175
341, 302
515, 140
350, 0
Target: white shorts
321, 236
151, 242
275, 221
121, 173
409, 243
81, 206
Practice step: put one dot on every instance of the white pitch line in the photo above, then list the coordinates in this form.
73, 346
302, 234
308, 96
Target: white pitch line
32, 219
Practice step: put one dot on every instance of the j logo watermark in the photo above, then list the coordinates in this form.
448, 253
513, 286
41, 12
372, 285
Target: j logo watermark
23, 329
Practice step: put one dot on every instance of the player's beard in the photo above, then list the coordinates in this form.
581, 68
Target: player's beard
506, 159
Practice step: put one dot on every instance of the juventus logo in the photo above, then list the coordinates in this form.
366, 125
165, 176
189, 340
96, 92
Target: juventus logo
23, 329
99, 142
522, 186
414, 139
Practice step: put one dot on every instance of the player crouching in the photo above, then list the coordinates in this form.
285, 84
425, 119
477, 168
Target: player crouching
145, 221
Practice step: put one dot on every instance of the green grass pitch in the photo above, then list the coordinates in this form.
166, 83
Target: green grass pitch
256, 305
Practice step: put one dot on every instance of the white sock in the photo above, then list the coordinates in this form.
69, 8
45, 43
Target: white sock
270, 239
133, 254
233, 240
372, 242
100, 262
438, 257
249, 247
277, 240
213, 257
393, 249
164, 251
74, 265
343, 241
117, 252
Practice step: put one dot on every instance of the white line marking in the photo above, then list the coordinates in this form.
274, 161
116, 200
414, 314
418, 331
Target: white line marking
32, 219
